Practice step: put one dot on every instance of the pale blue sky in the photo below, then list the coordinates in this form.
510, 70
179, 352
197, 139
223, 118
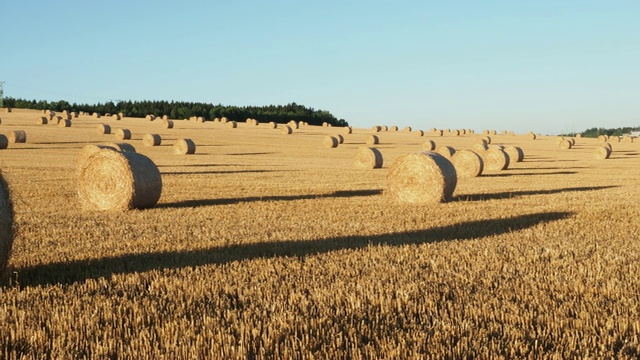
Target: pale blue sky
545, 66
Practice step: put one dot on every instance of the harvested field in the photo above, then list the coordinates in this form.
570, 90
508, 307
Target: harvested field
270, 246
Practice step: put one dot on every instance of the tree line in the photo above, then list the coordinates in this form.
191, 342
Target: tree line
184, 110
595, 132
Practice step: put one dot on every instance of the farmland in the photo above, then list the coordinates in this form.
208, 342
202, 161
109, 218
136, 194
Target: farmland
266, 245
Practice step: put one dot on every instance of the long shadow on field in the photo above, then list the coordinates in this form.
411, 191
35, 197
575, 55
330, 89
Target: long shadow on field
221, 172
251, 153
230, 201
512, 194
505, 174
66, 273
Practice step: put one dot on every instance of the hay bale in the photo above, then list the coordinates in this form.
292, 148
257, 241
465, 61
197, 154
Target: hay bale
602, 138
578, 136
184, 147
330, 141
6, 224
368, 157
438, 133
421, 178
340, 138
608, 145
503, 132
55, 119
151, 140
515, 153
393, 128
532, 136
429, 145
325, 124
487, 139
286, 129
376, 128
116, 116
42, 120
74, 114
123, 134
64, 123
150, 117
384, 128
468, 164
232, 124
455, 132
614, 139
103, 129
419, 133
601, 152
495, 159
122, 147
96, 115
167, 124
565, 144
627, 139
372, 140
493, 132
407, 129
293, 124
446, 151
511, 133
272, 125
200, 119
112, 180
165, 117
8, 109
17, 136
347, 130
224, 120
4, 142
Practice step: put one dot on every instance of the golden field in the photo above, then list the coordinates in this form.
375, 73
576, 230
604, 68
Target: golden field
265, 245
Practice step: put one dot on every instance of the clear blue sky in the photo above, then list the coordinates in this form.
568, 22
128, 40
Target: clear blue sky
545, 66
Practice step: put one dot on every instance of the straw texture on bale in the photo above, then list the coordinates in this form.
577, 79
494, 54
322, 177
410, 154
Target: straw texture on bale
372, 140
495, 159
468, 164
123, 134
515, 153
438, 132
421, 178
429, 145
4, 142
111, 180
340, 138
347, 130
286, 129
6, 224
626, 139
407, 129
565, 144
200, 119
167, 124
184, 147
232, 124
42, 120
64, 123
446, 151
120, 146
368, 157
151, 140
330, 141
614, 139
602, 138
89, 150
17, 136
601, 152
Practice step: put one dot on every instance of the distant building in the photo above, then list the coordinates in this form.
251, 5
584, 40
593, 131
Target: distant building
635, 133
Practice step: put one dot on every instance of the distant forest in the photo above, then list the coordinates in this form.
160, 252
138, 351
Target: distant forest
185, 110
595, 132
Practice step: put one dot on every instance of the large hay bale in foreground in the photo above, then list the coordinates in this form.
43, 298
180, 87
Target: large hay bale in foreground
17, 136
429, 145
151, 140
103, 129
89, 150
515, 153
184, 147
421, 178
468, 164
112, 180
330, 142
495, 159
372, 140
6, 224
368, 157
601, 152
123, 134
4, 142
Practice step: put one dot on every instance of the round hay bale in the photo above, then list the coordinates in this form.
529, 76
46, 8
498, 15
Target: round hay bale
165, 117
184, 147
8, 109
432, 130
614, 139
224, 120
6, 224
55, 120
111, 180
578, 136
372, 140
493, 132
151, 140
89, 150
455, 132
123, 134
485, 132
368, 157
376, 128
565, 144
167, 124
116, 116
4, 142
293, 124
468, 164
495, 159
515, 153
216, 120
601, 152
608, 145
384, 128
150, 117
446, 151
107, 114
480, 148
532, 136
503, 132
286, 129
438, 133
482, 141
573, 141
421, 178
103, 129
272, 125
511, 133
347, 130
325, 124
304, 123
602, 138
340, 138
627, 139
122, 147
96, 115
330, 142
429, 145
17, 136
419, 133
232, 124
200, 119
407, 129
393, 128
487, 139
64, 123
256, 122
42, 120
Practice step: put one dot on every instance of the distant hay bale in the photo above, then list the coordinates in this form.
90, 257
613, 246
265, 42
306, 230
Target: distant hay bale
55, 120
64, 123
515, 153
330, 141
573, 141
256, 122
487, 139
293, 124
485, 132
121, 115
493, 132
347, 130
372, 140
167, 124
376, 128
286, 129
304, 123
421, 178
6, 224
446, 151
96, 115
340, 138
438, 132
602, 138
565, 144
232, 124
601, 152
273, 125
4, 142
393, 128
107, 114
608, 145
120, 146
578, 136
432, 130
468, 164
224, 120
123, 134
17, 136
384, 128
495, 159
419, 133
368, 157
407, 129
614, 139
200, 119
8, 109
216, 120
165, 117
627, 139
116, 116
455, 132
111, 180
429, 145
42, 120
151, 140
511, 133
532, 136
150, 117
325, 124
103, 129
483, 142
184, 147
503, 132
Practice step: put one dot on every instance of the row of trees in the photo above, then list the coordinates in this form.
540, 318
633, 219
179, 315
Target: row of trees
595, 132
185, 110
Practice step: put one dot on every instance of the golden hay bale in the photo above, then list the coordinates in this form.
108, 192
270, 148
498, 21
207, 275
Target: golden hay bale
293, 124
368, 157
120, 146
224, 120
627, 139
256, 122
468, 164
407, 129
429, 145
493, 132
55, 119
273, 125
325, 124
167, 124
347, 130
8, 109
573, 141
532, 136
340, 138
116, 116
419, 133
602, 138
200, 119
304, 123
579, 136
121, 115
601, 152
286, 129
485, 132
384, 128
150, 117
376, 128
64, 123
4, 142
559, 139
503, 132
421, 178
330, 141
495, 159
184, 147
393, 128
17, 136
42, 120
165, 117
89, 150
511, 133
96, 115
515, 153
446, 151
6, 224
123, 134
432, 130
565, 144
112, 180
608, 145
372, 140
103, 129
438, 133
614, 139
107, 114
151, 140
232, 124
455, 132
482, 141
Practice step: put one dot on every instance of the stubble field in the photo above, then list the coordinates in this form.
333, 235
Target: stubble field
265, 245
